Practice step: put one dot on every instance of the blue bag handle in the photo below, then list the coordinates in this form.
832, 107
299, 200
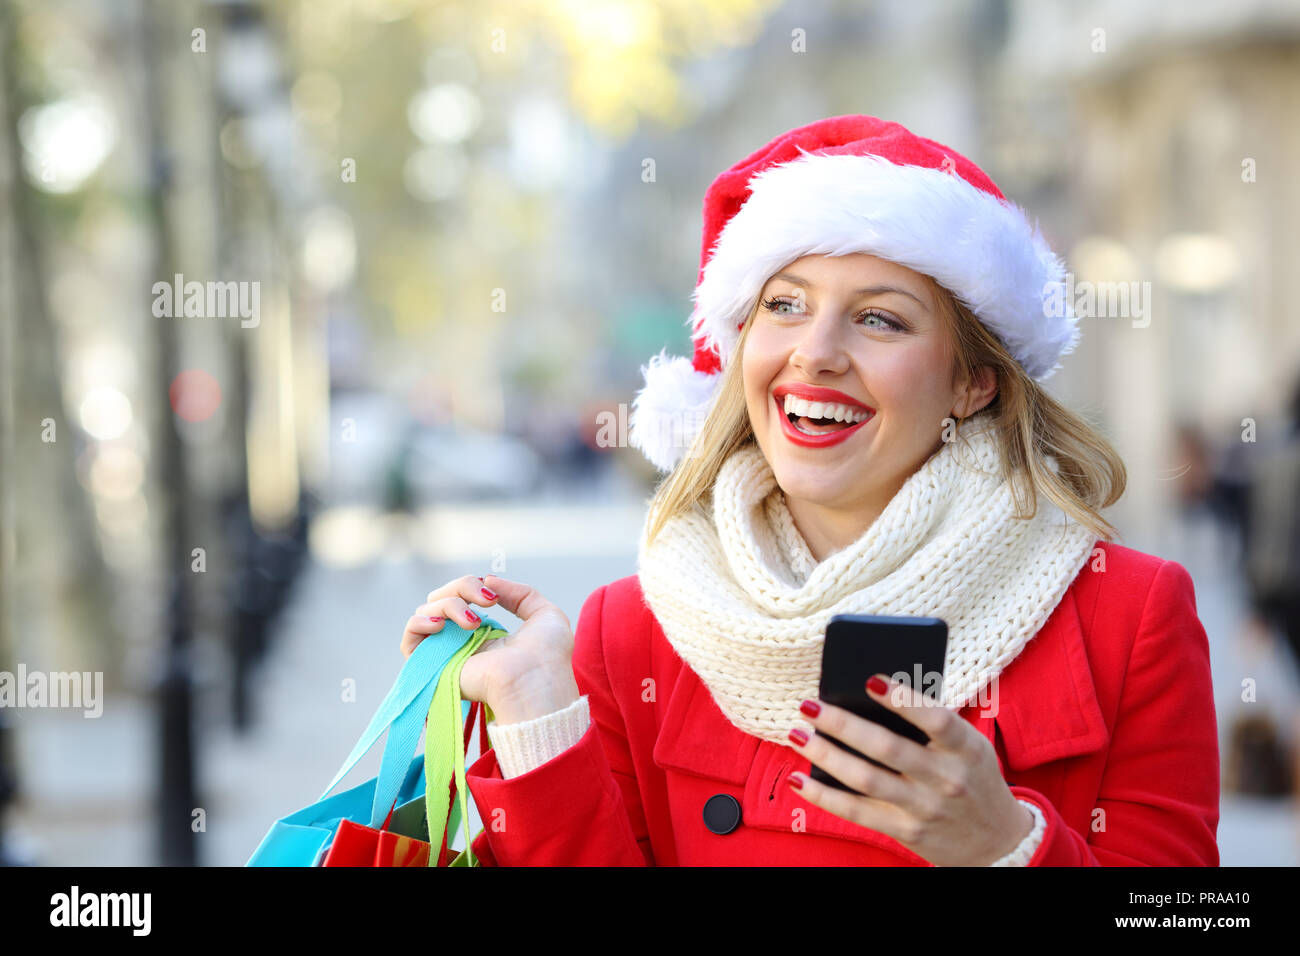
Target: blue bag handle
403, 713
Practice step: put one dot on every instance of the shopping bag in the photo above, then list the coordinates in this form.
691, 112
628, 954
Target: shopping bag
404, 838
304, 837
355, 845
412, 820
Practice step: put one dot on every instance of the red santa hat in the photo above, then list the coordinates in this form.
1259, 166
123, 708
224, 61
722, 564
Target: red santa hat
843, 185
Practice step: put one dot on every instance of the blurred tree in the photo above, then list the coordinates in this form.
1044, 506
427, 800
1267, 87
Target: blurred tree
62, 580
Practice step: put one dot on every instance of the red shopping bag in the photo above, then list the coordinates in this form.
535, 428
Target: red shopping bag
355, 845
358, 845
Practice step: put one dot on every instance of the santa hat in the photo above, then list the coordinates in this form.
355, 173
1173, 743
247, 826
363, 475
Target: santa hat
838, 186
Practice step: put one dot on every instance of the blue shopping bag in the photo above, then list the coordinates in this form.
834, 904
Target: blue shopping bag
301, 838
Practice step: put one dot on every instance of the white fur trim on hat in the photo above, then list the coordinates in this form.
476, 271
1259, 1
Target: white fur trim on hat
985, 251
670, 409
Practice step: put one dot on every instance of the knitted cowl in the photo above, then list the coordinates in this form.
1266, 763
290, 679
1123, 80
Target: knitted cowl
745, 604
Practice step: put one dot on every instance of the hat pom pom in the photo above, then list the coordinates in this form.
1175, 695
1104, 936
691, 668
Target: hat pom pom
668, 412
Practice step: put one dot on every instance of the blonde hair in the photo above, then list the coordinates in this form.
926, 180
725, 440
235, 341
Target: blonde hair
1029, 423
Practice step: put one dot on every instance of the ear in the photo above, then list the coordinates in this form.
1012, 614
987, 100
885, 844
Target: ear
974, 395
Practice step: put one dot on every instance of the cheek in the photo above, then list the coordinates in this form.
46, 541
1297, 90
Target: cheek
908, 380
760, 363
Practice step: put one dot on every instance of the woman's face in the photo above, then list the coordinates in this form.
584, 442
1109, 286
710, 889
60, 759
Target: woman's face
868, 329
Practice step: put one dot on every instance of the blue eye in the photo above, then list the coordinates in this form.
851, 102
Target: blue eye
883, 318
772, 304
775, 303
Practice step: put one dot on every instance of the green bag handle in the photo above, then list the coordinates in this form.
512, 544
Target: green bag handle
444, 748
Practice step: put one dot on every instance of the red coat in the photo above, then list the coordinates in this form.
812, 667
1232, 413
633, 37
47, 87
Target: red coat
1105, 720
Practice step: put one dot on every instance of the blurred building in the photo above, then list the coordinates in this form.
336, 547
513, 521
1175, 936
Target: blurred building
1151, 138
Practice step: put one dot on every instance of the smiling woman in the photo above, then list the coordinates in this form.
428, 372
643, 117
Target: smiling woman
921, 362
825, 333
865, 432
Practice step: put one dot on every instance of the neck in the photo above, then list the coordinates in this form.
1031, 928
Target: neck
827, 531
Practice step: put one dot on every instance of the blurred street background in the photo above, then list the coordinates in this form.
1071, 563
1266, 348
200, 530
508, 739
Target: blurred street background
434, 243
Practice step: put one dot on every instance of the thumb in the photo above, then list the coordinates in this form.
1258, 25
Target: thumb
521, 600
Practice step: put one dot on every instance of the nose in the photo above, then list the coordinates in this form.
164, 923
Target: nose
821, 346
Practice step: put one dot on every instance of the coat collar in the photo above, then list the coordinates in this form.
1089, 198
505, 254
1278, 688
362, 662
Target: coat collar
1045, 709
1046, 706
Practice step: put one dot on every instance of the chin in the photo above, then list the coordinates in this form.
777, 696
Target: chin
807, 479
807, 482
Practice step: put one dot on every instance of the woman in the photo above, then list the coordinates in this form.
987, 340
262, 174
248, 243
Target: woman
863, 432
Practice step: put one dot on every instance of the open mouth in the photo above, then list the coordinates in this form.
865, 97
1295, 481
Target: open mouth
822, 418
819, 425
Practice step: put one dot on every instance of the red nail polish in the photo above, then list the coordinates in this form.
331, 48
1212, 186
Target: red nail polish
811, 708
876, 685
798, 736
472, 616
795, 781
435, 620
488, 594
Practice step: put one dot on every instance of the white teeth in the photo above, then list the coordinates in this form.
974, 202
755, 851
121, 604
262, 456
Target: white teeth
840, 413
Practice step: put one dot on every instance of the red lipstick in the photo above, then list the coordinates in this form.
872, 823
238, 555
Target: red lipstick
815, 441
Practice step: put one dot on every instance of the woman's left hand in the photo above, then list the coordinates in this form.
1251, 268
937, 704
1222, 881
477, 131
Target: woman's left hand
950, 805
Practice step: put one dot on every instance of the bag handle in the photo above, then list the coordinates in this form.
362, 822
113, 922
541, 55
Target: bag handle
402, 713
453, 819
444, 757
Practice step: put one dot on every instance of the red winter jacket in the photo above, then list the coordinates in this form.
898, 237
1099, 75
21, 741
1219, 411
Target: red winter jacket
1105, 720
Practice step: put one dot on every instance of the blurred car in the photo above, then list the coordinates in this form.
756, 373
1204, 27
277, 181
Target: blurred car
379, 454
463, 462
366, 432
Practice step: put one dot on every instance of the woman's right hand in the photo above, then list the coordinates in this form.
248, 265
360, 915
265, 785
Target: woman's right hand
524, 675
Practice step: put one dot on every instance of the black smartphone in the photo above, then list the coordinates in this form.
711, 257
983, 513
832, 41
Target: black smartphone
912, 649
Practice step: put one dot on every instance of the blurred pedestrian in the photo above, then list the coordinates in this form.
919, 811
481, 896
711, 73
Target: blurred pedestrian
1273, 557
1272, 571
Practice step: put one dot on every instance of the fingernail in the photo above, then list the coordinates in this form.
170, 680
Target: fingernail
798, 736
795, 780
876, 685
435, 620
811, 708
472, 616
487, 593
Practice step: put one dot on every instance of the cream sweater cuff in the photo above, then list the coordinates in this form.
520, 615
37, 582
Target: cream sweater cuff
525, 746
1022, 854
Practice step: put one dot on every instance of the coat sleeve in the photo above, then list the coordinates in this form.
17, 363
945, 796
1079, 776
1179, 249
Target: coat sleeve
581, 808
1159, 794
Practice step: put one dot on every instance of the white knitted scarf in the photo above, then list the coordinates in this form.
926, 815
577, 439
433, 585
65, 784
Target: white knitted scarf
745, 604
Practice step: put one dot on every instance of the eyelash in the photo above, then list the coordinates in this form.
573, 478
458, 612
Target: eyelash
772, 303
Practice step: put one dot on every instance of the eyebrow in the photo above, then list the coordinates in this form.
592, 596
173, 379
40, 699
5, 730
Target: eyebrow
868, 290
